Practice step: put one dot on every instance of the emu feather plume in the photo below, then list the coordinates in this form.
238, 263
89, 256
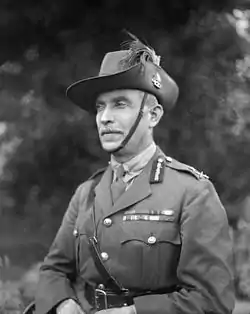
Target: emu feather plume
138, 53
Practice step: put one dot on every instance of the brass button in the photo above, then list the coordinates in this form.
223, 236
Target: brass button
107, 222
151, 240
104, 256
101, 286
75, 232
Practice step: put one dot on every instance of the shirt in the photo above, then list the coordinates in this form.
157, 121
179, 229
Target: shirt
134, 166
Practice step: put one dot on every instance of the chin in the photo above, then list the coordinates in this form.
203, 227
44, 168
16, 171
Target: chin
109, 147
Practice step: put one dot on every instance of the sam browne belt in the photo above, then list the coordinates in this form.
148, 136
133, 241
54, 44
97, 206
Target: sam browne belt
101, 298
115, 295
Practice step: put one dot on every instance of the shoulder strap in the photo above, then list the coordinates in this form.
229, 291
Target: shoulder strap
179, 166
95, 177
96, 173
109, 280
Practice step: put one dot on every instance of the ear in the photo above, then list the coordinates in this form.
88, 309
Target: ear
155, 113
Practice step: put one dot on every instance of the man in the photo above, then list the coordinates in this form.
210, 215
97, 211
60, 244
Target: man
147, 234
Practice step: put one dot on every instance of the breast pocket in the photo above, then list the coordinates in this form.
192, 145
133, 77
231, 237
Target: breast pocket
153, 249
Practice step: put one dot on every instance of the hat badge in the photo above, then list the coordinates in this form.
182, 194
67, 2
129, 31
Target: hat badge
156, 80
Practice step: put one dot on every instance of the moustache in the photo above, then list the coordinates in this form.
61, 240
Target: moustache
110, 131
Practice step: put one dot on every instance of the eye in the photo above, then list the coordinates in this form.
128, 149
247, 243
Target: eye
99, 107
120, 104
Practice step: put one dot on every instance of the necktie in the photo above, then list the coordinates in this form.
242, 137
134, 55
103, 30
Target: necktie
118, 186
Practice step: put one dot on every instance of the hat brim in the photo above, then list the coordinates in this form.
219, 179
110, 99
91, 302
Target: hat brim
85, 92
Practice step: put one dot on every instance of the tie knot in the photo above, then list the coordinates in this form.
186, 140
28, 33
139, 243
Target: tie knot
120, 171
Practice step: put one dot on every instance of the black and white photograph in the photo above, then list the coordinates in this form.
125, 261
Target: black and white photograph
125, 157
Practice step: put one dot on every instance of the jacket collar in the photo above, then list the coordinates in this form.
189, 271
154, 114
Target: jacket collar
140, 190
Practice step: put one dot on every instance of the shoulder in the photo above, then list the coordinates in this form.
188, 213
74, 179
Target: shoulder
194, 183
97, 174
85, 188
165, 167
185, 169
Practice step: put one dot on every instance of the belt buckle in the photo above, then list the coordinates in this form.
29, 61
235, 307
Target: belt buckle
103, 294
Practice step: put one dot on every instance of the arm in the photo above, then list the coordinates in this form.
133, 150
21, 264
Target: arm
59, 268
205, 265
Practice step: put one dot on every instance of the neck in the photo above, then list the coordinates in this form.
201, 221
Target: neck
123, 156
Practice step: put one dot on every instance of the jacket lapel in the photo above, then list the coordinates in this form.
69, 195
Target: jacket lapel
139, 190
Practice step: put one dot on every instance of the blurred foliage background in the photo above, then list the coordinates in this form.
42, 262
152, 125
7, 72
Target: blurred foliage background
48, 146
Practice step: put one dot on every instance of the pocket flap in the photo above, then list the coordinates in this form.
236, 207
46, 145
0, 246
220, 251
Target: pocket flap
159, 234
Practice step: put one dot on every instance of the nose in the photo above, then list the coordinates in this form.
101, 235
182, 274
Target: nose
106, 116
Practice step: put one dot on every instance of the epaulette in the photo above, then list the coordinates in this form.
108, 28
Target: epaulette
179, 166
97, 172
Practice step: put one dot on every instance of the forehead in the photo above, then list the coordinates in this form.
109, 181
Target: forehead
132, 95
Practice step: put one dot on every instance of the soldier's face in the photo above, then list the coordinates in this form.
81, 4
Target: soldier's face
116, 113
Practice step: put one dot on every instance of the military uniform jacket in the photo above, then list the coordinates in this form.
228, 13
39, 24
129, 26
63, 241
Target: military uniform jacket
169, 228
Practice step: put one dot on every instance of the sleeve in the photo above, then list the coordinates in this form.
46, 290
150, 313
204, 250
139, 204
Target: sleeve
58, 270
205, 265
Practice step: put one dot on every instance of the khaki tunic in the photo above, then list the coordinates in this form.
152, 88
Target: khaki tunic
169, 228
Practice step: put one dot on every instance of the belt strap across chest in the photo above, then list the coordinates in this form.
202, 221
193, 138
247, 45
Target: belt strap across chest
109, 280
